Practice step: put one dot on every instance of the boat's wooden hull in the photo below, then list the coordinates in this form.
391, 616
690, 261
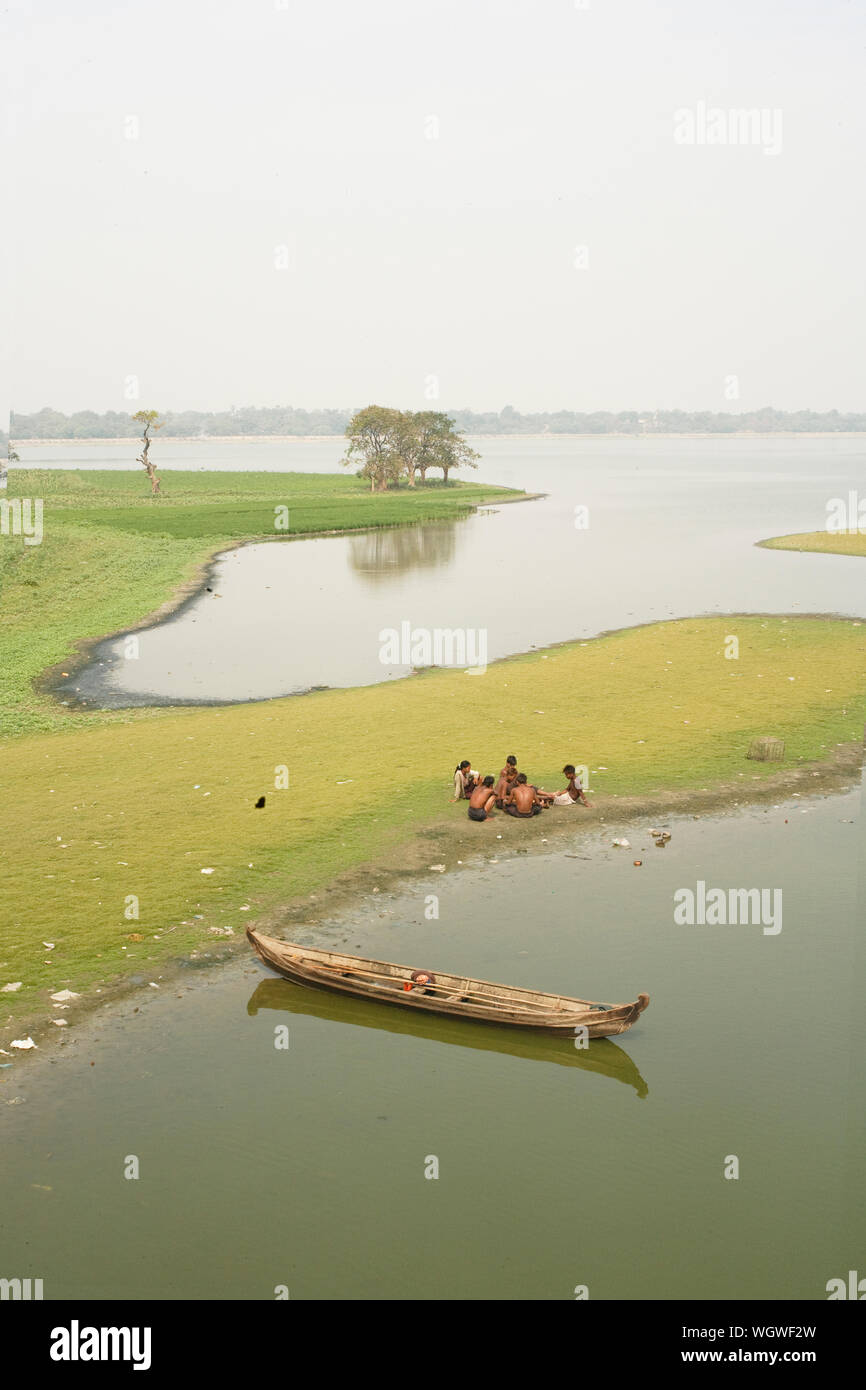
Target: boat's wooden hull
457, 996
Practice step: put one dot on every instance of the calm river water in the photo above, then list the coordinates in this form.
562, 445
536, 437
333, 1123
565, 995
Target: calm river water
262, 1167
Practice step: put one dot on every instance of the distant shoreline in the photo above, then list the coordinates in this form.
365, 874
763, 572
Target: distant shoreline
328, 438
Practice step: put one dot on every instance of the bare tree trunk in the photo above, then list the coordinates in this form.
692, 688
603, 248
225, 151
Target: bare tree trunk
150, 468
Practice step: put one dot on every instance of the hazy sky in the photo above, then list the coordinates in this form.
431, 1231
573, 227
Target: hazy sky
428, 170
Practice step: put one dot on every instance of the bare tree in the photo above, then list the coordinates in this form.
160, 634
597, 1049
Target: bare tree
151, 421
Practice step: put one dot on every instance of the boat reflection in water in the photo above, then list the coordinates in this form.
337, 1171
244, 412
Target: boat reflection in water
601, 1056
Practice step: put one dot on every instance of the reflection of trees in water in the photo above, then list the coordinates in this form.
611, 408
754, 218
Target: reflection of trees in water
379, 555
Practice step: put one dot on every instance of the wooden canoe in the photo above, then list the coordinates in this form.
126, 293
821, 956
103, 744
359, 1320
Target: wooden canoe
459, 996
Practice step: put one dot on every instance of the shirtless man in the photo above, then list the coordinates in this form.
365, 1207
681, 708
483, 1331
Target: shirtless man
573, 792
481, 801
507, 778
523, 800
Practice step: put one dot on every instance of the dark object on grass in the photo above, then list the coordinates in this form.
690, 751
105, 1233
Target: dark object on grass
766, 749
260, 803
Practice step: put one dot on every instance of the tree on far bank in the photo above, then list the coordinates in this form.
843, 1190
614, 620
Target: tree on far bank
412, 440
373, 435
396, 444
443, 446
151, 421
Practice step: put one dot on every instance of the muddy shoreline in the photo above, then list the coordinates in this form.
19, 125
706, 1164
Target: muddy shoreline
49, 683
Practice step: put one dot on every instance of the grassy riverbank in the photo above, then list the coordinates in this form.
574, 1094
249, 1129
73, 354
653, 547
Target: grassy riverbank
110, 555
100, 822
826, 542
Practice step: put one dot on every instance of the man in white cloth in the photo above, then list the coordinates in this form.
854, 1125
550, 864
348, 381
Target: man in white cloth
573, 792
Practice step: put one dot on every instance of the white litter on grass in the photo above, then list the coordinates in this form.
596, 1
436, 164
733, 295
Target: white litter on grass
153, 986
60, 1023
63, 995
49, 945
345, 781
13, 988
621, 844
437, 868
207, 871
22, 1043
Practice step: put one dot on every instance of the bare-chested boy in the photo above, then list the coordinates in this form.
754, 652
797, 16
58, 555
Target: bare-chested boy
507, 778
523, 800
573, 792
481, 801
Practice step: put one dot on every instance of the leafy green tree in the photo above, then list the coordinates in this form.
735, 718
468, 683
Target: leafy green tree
151, 421
414, 438
443, 446
374, 439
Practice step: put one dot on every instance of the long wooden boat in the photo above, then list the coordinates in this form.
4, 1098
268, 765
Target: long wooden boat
459, 996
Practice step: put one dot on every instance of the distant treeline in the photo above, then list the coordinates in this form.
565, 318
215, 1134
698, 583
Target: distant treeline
285, 420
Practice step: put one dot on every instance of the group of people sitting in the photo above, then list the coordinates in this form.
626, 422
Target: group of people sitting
511, 792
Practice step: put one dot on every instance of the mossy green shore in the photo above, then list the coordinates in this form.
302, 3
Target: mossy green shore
106, 816
824, 542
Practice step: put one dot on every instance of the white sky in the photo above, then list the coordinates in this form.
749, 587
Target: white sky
306, 125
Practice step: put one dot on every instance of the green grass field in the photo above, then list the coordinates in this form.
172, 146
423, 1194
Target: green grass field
110, 555
827, 542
